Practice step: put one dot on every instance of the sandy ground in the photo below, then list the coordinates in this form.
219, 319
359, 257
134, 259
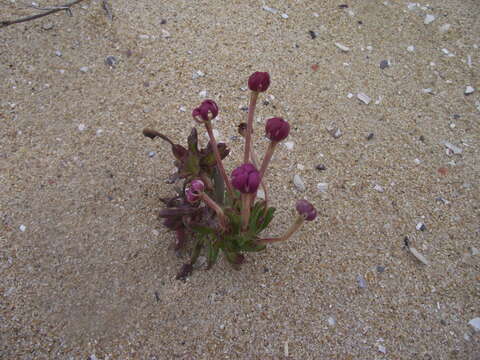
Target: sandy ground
86, 268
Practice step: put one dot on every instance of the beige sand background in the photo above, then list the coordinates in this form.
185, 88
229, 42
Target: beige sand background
80, 280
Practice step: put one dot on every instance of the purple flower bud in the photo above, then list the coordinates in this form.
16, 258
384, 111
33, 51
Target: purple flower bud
192, 193
207, 110
246, 178
259, 81
277, 129
306, 209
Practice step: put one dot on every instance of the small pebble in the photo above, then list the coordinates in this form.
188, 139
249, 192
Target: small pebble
111, 61
151, 154
289, 145
298, 182
58, 53
182, 109
350, 95
370, 136
429, 19
82, 127
84, 69
342, 47
469, 90
312, 33
320, 167
444, 28
362, 284
144, 37
411, 48
382, 349
261, 194
427, 91
99, 132
448, 53
285, 16
442, 200
380, 269
22, 228
364, 98
334, 131
203, 93
418, 256
165, 34
417, 161
453, 148
378, 188
421, 226
474, 251
475, 324
47, 26
300, 167
452, 125
147, 109
384, 64
331, 321
322, 187
197, 74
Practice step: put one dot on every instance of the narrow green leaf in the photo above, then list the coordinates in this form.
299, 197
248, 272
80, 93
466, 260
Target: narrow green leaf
265, 220
213, 251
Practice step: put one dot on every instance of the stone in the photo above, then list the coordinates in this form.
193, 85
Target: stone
84, 69
111, 61
298, 182
342, 47
384, 64
364, 98
362, 284
469, 90
475, 324
47, 26
411, 48
22, 228
378, 188
322, 187
428, 19
58, 53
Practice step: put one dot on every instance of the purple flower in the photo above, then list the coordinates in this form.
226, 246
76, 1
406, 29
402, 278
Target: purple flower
207, 110
192, 193
306, 209
246, 178
277, 129
259, 81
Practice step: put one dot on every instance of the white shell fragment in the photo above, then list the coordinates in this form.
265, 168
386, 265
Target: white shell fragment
203, 93
429, 19
22, 228
364, 98
269, 9
469, 90
289, 145
331, 321
453, 148
342, 47
298, 182
444, 28
334, 131
378, 188
261, 194
197, 74
84, 69
411, 48
419, 256
322, 187
475, 323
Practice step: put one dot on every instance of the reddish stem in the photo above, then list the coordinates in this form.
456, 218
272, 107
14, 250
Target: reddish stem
293, 228
248, 136
215, 207
208, 126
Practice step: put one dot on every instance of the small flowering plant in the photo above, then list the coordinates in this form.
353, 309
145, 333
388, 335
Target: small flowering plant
215, 213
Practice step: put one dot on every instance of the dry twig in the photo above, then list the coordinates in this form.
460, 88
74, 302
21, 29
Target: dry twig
48, 11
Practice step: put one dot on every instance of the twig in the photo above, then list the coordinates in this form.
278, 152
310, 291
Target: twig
54, 9
108, 9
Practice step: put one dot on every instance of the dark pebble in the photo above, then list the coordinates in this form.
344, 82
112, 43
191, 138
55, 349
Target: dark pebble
343, 6
380, 269
421, 138
312, 33
265, 269
384, 64
320, 167
163, 22
360, 22
456, 116
370, 136
111, 61
244, 108
266, 102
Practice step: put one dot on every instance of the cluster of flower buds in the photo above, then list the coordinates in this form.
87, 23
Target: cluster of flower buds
230, 220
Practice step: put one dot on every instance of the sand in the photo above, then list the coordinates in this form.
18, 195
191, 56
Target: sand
86, 269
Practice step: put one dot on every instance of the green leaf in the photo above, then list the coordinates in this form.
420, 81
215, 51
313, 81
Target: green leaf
192, 165
213, 251
204, 230
251, 246
265, 220
193, 141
